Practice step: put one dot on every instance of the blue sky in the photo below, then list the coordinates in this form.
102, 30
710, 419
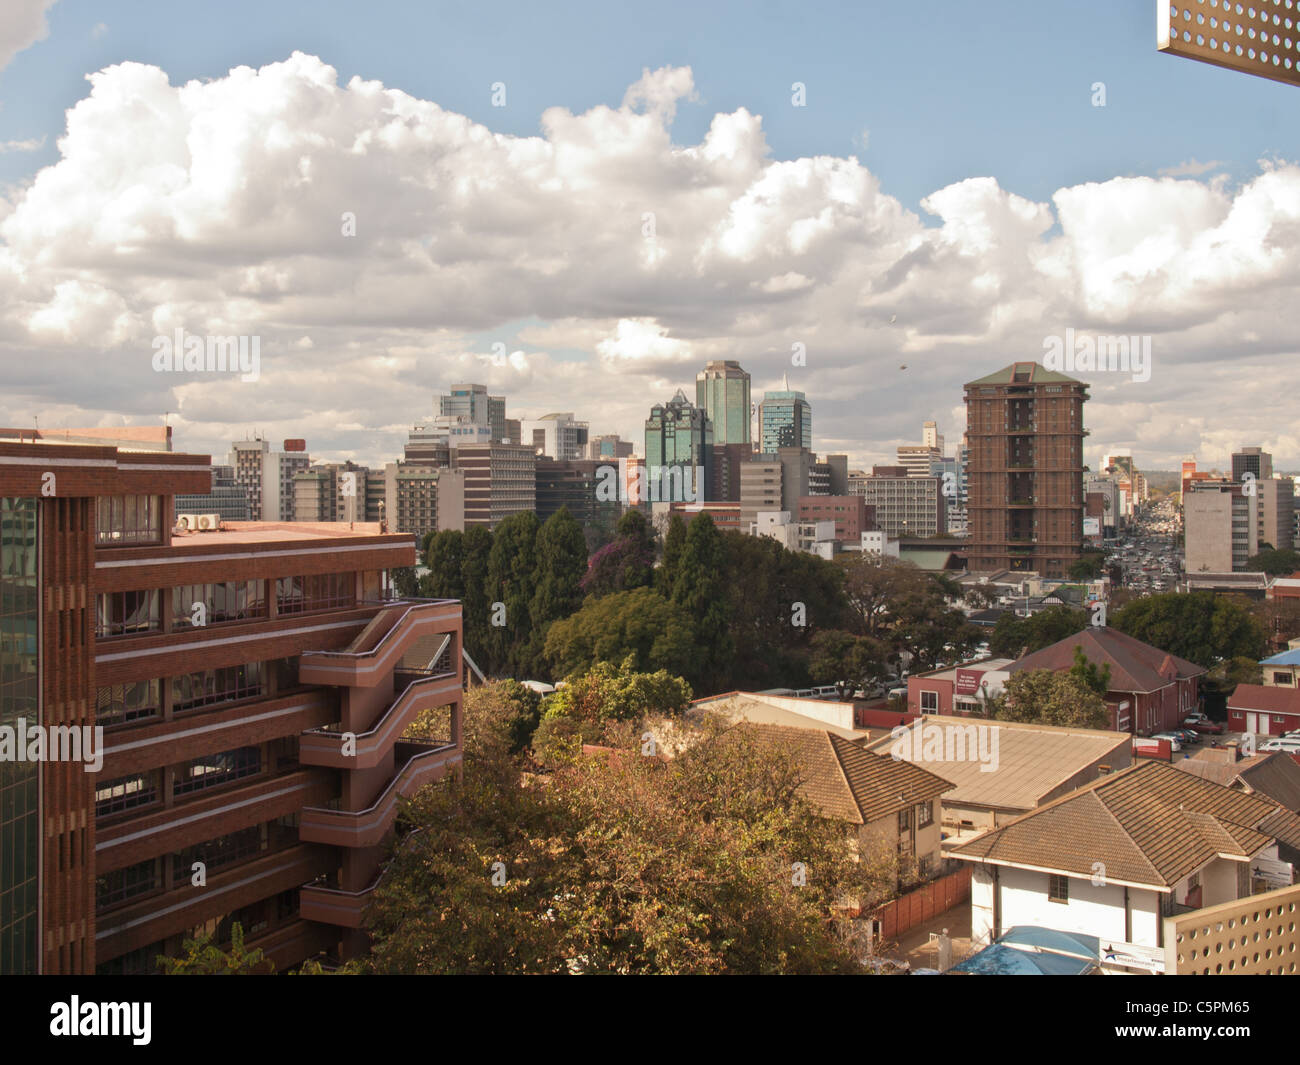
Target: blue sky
1047, 212
942, 91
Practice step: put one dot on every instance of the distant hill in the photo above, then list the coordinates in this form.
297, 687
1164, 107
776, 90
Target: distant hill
1163, 480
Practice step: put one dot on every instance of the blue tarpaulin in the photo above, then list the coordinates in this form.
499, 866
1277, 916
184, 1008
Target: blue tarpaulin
1030, 951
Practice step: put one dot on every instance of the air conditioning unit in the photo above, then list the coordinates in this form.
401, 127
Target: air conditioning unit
187, 521
209, 522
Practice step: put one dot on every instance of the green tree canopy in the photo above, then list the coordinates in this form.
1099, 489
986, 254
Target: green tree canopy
1198, 626
658, 634
1274, 562
1046, 697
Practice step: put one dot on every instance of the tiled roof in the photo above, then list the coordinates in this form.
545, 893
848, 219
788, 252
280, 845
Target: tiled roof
1275, 775
1033, 760
1134, 666
1260, 697
849, 783
1038, 375
1151, 824
1283, 658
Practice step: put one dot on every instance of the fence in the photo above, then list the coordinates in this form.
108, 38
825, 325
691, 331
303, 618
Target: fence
916, 907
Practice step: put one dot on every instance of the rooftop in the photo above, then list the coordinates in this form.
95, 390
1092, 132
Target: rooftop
1150, 825
266, 532
1275, 774
1032, 760
1134, 666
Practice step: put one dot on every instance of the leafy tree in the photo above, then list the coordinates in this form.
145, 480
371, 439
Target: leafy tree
700, 589
848, 661
1087, 673
1280, 618
1238, 670
1274, 562
511, 580
873, 585
625, 563
658, 633
444, 554
404, 581
1046, 697
1198, 626
203, 958
674, 545
1009, 636
626, 865
561, 564
476, 549
1091, 564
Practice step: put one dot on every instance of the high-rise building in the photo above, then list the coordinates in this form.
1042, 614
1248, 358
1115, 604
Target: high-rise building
500, 480
469, 404
557, 436
1024, 427
784, 419
904, 505
1252, 460
226, 743
917, 459
267, 476
336, 491
931, 437
227, 498
574, 484
607, 447
760, 487
1221, 524
722, 392
420, 499
679, 446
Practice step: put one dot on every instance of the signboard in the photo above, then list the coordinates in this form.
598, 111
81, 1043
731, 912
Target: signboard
968, 681
1132, 956
1149, 748
1091, 526
1274, 872
295, 445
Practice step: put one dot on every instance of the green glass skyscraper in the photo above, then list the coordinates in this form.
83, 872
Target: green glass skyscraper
722, 392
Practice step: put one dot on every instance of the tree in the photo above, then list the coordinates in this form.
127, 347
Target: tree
511, 577
674, 545
203, 958
476, 549
626, 864
658, 633
848, 661
1045, 697
625, 563
1280, 618
1087, 673
1274, 562
699, 587
444, 554
404, 581
1091, 564
561, 565
1198, 626
872, 585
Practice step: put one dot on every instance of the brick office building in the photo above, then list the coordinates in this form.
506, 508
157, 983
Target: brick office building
253, 688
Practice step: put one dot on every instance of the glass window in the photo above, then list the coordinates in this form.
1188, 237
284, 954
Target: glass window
213, 770
924, 814
929, 702
221, 685
122, 521
126, 613
117, 704
1058, 888
123, 885
126, 793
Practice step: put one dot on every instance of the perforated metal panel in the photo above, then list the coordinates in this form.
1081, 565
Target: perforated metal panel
1261, 37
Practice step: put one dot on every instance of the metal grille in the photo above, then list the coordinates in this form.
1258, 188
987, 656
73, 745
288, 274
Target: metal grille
1260, 38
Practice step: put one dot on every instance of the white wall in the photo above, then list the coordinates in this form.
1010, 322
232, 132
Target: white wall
1093, 911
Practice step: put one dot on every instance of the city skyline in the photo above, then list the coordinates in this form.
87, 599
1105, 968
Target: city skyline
789, 247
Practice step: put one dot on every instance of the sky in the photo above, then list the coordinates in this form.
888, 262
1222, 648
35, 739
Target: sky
578, 205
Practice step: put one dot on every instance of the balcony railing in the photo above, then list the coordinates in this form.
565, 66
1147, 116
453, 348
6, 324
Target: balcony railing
421, 763
378, 648
325, 747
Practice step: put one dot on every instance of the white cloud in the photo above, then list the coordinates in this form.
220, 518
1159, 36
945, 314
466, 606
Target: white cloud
22, 24
33, 144
217, 205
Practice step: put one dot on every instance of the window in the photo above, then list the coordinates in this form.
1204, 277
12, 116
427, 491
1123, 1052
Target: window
964, 705
123, 521
220, 685
116, 704
929, 702
1058, 888
925, 814
213, 770
122, 885
126, 793
1282, 678
231, 601
124, 613
325, 591
229, 849
904, 820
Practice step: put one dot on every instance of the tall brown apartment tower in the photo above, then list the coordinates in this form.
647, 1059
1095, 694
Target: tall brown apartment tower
254, 686
1024, 426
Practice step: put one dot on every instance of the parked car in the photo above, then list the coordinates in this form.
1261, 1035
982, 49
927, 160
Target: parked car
1187, 736
1203, 725
1175, 741
1282, 743
898, 693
